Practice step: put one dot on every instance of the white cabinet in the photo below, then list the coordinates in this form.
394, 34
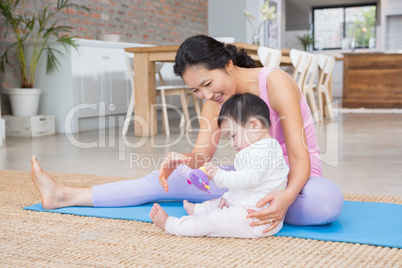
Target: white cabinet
91, 84
100, 78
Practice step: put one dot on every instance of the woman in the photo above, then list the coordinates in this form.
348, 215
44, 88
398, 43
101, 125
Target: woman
214, 71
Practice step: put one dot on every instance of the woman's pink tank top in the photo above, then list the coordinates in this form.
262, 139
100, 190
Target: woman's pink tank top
276, 128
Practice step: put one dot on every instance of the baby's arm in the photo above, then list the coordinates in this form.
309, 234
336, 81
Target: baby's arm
211, 169
239, 179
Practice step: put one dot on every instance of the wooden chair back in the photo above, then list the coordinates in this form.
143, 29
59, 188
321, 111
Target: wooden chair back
269, 56
162, 90
326, 65
311, 73
300, 61
307, 89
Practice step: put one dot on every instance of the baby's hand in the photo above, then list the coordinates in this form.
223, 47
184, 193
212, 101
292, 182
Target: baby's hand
223, 203
211, 169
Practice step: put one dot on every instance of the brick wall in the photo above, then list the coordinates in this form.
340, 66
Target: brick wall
163, 22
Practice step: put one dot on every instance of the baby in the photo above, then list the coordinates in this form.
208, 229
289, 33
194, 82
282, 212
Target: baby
260, 168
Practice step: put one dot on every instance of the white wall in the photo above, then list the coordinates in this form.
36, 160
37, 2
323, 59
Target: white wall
226, 19
393, 34
390, 34
253, 7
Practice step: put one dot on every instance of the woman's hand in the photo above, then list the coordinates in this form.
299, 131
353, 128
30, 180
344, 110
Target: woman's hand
168, 165
211, 169
279, 201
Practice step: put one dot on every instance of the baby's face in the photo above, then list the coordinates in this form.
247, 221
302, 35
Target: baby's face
240, 137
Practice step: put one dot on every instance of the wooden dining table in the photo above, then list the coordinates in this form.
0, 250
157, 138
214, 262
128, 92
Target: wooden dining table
145, 121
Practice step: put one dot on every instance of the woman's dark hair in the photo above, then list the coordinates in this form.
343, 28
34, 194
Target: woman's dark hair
241, 107
211, 54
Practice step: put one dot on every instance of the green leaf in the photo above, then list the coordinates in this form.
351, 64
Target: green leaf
67, 41
37, 28
52, 61
4, 61
61, 4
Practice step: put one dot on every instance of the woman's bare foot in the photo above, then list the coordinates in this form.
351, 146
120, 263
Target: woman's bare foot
55, 195
49, 189
158, 216
189, 207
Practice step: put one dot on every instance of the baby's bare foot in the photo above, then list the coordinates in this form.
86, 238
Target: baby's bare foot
51, 192
158, 216
189, 207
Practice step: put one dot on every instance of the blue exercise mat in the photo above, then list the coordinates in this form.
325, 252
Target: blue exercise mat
378, 224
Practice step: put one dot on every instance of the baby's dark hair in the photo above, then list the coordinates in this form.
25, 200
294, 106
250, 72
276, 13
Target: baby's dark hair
241, 107
209, 53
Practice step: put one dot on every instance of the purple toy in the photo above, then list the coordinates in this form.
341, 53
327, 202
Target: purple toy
198, 177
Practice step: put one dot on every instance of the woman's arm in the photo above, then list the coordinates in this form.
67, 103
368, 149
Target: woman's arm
284, 98
208, 136
204, 149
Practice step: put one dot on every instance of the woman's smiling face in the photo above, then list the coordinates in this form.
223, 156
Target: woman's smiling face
216, 85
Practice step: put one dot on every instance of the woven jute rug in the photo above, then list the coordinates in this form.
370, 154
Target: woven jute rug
40, 239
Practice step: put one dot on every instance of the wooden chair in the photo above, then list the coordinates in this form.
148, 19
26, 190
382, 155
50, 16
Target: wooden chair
326, 66
308, 86
161, 84
269, 56
198, 103
305, 69
162, 91
300, 61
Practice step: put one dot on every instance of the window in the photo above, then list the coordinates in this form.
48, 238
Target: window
345, 27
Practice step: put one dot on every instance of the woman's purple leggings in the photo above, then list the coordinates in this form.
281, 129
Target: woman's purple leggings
319, 202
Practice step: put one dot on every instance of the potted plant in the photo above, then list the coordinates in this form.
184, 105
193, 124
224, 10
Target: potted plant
307, 40
36, 33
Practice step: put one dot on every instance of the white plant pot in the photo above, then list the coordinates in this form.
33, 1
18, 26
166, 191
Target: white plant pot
24, 101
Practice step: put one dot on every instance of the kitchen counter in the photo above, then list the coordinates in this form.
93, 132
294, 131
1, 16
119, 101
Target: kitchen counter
372, 80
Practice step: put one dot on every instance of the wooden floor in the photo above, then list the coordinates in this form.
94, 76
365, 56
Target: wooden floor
362, 153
